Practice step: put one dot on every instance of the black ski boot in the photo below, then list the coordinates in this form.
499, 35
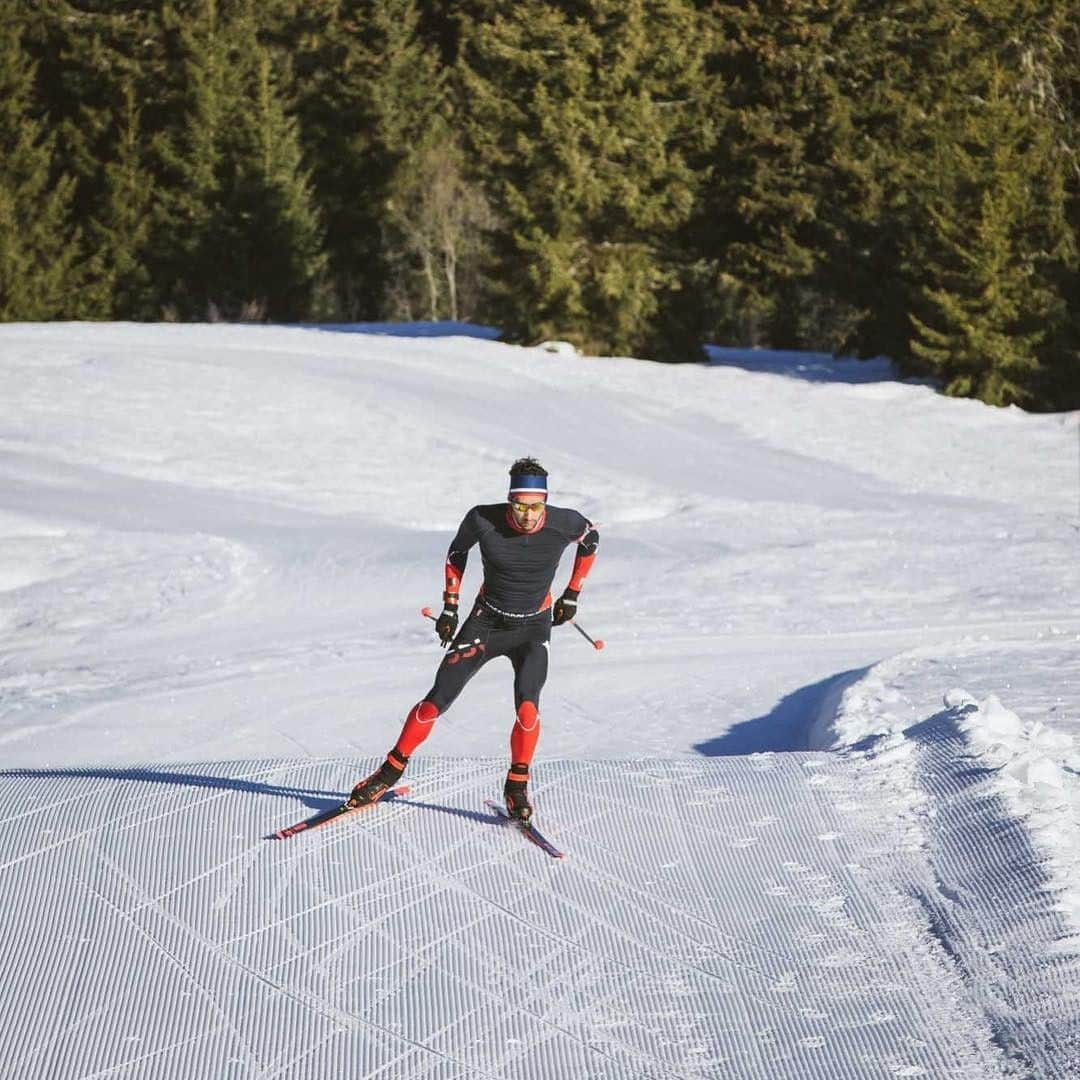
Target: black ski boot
515, 794
379, 782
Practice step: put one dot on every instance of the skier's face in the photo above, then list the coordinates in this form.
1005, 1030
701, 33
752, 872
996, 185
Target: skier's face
527, 511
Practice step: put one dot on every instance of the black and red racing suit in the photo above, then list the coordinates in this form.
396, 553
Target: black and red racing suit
512, 613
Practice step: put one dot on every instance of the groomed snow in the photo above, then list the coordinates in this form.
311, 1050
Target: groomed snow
819, 793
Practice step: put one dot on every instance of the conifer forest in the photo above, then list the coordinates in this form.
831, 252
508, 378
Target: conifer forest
638, 177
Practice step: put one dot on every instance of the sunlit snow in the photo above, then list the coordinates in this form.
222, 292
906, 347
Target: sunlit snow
819, 795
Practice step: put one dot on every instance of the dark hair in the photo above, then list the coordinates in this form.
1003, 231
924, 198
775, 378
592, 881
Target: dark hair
527, 466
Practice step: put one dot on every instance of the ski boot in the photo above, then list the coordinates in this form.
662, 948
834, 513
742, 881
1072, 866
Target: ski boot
379, 782
515, 794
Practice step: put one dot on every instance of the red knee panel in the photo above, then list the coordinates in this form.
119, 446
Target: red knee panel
526, 733
418, 725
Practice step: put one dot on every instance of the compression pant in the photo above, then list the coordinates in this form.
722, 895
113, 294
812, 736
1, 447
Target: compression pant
483, 637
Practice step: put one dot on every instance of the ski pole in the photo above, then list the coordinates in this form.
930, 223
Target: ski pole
596, 643
426, 612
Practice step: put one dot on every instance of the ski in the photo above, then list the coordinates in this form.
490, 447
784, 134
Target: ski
529, 831
324, 817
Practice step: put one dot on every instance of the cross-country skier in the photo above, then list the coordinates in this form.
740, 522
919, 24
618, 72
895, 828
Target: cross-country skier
521, 542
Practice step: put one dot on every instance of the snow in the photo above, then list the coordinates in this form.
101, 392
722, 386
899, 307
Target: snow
819, 793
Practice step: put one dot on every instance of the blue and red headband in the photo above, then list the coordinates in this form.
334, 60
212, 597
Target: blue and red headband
528, 484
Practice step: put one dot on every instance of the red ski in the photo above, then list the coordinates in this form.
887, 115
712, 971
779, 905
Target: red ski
324, 817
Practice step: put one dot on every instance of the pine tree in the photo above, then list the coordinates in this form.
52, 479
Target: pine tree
287, 263
763, 227
239, 233
1061, 83
370, 93
586, 121
104, 71
981, 336
120, 232
996, 236
946, 221
38, 245
193, 160
866, 215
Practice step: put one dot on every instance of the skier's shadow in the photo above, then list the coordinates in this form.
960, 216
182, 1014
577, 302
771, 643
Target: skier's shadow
453, 811
314, 798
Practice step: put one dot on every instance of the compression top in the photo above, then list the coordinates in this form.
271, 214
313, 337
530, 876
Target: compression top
519, 566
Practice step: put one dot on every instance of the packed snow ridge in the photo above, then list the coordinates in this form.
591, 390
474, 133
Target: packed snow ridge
818, 796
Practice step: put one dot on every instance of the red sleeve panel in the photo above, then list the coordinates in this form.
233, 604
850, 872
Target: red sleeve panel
586, 556
453, 579
458, 556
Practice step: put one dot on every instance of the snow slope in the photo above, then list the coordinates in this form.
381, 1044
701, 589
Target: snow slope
818, 794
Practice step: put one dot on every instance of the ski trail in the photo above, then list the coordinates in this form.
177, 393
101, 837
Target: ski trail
693, 931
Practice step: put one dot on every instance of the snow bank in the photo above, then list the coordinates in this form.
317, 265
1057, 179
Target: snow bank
987, 874
1026, 759
1033, 767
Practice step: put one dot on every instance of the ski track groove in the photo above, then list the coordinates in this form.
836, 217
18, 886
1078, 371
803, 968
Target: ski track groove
454, 885
323, 840
127, 1066
639, 893
155, 900
583, 951
472, 955
354, 1022
333, 900
213, 948
288, 1068
204, 992
73, 838
50, 807
44, 1049
573, 945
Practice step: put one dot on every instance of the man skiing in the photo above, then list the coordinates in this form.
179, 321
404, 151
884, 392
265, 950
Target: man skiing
521, 542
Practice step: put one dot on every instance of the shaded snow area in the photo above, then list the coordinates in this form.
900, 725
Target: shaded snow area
819, 796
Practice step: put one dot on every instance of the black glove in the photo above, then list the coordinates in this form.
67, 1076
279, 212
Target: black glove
446, 623
565, 608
